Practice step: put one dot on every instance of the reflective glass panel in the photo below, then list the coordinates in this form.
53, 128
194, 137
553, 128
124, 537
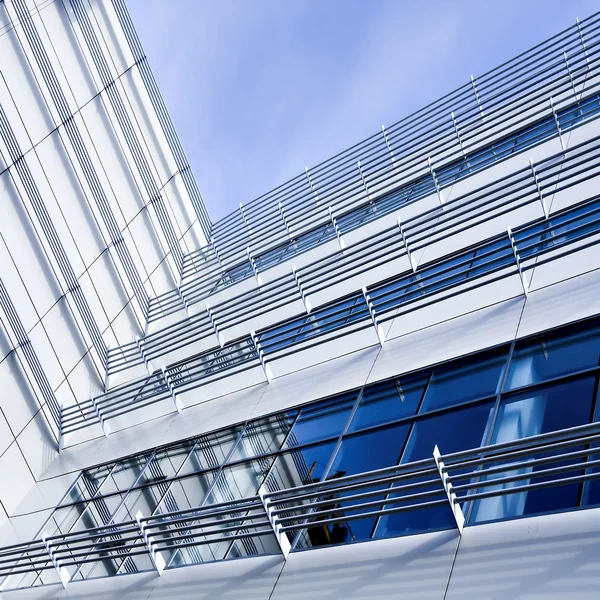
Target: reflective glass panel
466, 379
388, 401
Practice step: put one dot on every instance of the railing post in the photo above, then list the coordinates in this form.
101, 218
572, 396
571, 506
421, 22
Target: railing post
378, 329
387, 142
454, 505
174, 396
285, 221
280, 536
435, 181
143, 355
560, 137
338, 233
312, 187
215, 327
217, 253
305, 299
460, 142
571, 76
103, 423
518, 261
538, 188
261, 356
587, 58
362, 176
477, 97
253, 265
62, 572
157, 559
413, 263
248, 229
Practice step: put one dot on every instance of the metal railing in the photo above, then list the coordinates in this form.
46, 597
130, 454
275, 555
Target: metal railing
526, 186
533, 87
504, 255
457, 481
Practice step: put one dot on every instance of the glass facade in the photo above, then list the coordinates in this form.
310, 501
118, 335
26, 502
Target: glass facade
536, 385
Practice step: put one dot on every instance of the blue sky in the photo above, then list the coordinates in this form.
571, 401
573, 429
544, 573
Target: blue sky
259, 89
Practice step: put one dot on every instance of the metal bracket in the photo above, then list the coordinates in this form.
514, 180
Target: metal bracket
477, 97
215, 327
280, 536
103, 423
458, 134
435, 181
174, 396
285, 221
454, 505
387, 142
518, 261
305, 299
362, 175
539, 189
338, 233
254, 269
413, 262
157, 559
312, 187
560, 137
378, 329
62, 572
261, 356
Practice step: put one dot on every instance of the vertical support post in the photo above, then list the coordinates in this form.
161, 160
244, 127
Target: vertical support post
587, 58
253, 265
62, 572
305, 299
157, 559
413, 262
362, 176
477, 97
577, 96
537, 186
454, 505
261, 356
518, 261
188, 311
217, 253
378, 329
337, 230
143, 355
103, 423
174, 396
280, 536
387, 142
285, 221
460, 142
435, 181
248, 229
215, 327
560, 137
312, 187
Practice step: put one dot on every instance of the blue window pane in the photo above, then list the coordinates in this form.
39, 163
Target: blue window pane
554, 354
322, 421
456, 430
540, 411
357, 454
389, 401
465, 379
